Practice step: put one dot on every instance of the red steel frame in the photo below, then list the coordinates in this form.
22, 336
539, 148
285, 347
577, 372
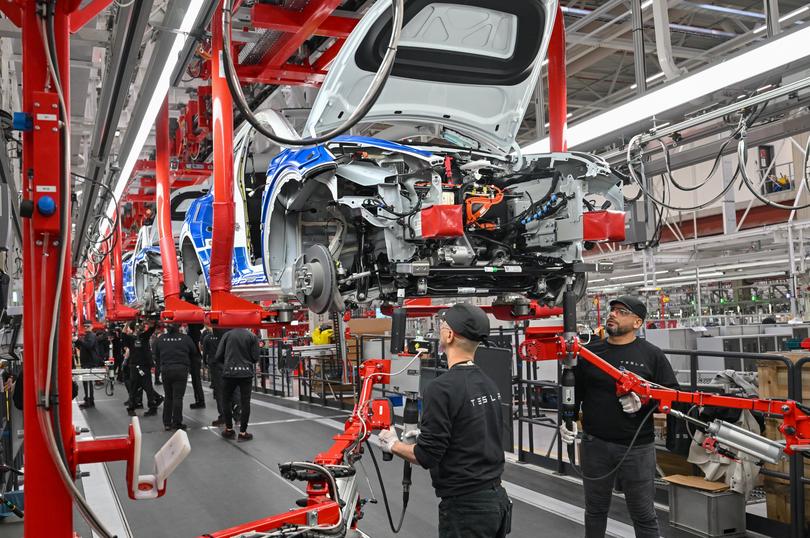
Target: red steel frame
227, 310
546, 343
175, 309
49, 509
356, 430
315, 19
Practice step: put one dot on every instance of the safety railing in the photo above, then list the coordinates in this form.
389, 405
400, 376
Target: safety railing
320, 379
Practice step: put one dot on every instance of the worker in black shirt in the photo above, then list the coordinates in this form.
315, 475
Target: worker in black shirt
176, 352
88, 358
459, 438
238, 353
610, 422
139, 361
209, 345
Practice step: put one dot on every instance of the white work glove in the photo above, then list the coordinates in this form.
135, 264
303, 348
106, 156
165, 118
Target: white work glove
411, 436
567, 435
387, 439
631, 403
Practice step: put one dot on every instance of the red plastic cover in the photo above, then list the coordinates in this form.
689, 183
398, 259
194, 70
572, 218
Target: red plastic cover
441, 221
603, 226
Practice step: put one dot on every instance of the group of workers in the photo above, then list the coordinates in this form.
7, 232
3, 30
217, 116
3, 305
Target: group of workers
459, 435
175, 355
459, 439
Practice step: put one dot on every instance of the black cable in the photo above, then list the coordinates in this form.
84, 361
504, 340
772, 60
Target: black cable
394, 528
621, 461
372, 94
743, 158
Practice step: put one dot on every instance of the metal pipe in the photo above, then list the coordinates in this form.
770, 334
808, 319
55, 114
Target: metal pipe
663, 41
639, 59
772, 18
655, 134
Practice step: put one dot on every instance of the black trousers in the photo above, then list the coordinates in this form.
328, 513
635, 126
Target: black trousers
196, 380
229, 385
175, 379
482, 514
88, 392
215, 369
637, 475
140, 378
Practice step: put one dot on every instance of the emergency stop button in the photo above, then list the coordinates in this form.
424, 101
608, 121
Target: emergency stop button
46, 206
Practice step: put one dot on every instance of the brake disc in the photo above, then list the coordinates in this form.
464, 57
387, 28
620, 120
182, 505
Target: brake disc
316, 281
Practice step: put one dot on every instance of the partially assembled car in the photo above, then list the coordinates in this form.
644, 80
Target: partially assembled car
440, 202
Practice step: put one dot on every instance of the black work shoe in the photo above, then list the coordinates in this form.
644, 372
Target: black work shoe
159, 400
86, 405
180, 426
152, 411
245, 436
197, 405
218, 422
132, 413
228, 434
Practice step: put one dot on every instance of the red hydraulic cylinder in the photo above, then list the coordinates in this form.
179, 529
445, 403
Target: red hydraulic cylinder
116, 310
48, 505
557, 87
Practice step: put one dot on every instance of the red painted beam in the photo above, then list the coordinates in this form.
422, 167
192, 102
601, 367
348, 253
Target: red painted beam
297, 74
328, 55
286, 20
81, 17
13, 11
314, 15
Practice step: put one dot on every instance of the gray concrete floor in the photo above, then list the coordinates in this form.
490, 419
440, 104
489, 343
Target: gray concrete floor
224, 483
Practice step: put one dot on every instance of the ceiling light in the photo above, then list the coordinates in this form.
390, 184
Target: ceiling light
737, 266
155, 102
772, 55
638, 275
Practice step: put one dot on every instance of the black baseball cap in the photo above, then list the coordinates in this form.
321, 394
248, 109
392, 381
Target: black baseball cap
633, 304
467, 320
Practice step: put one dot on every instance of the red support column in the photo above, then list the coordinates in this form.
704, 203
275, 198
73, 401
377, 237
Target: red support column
557, 87
171, 286
81, 17
175, 309
222, 110
48, 506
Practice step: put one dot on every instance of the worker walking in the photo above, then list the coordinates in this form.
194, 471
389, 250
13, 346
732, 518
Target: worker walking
209, 344
88, 358
139, 362
460, 434
238, 353
176, 352
611, 423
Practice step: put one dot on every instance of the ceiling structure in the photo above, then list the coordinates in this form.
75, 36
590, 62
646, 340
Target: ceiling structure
295, 39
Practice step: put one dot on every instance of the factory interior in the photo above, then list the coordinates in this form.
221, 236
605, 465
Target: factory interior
376, 268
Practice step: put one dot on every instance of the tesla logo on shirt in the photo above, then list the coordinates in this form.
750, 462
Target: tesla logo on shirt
485, 399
